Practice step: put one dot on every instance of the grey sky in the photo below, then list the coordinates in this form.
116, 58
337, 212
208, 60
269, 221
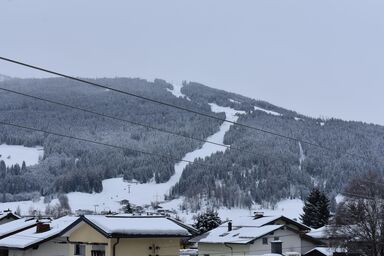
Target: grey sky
321, 58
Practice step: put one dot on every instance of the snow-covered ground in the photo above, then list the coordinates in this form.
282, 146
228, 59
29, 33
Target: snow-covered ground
177, 91
268, 111
13, 154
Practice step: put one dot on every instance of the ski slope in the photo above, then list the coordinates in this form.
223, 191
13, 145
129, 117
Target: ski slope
14, 154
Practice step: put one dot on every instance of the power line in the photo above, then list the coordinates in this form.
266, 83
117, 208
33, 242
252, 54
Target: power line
173, 106
99, 143
122, 120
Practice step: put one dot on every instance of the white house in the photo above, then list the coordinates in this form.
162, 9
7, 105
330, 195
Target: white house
43, 239
256, 235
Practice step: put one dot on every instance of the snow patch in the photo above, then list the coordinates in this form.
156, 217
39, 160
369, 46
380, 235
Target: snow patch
298, 119
268, 111
15, 154
302, 156
234, 101
176, 91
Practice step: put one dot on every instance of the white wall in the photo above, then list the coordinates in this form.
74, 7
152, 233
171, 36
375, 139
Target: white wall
291, 243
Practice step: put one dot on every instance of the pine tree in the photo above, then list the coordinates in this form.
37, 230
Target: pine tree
316, 209
207, 221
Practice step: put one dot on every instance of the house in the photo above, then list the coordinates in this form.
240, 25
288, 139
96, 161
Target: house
15, 226
7, 216
119, 235
257, 235
43, 239
326, 251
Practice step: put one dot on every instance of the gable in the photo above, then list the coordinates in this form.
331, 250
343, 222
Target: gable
84, 233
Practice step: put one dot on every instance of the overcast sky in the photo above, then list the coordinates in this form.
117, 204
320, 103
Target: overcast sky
320, 58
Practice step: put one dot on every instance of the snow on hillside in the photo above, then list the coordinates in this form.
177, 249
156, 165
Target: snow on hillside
302, 156
267, 111
176, 91
115, 190
14, 154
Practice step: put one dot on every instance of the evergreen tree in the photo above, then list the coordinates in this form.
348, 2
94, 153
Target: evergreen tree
207, 221
316, 209
3, 169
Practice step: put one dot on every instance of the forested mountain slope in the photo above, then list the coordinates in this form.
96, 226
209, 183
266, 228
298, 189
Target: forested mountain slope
276, 168
273, 168
70, 165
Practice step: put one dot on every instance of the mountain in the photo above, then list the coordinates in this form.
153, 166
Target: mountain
260, 168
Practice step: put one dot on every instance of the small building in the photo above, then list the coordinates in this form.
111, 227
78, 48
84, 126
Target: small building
7, 216
43, 239
257, 235
97, 235
326, 251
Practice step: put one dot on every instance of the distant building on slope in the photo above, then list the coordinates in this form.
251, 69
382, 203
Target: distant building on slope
257, 235
7, 216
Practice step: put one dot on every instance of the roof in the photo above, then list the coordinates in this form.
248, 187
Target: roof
238, 235
136, 226
15, 226
251, 221
28, 238
247, 229
327, 251
319, 233
8, 215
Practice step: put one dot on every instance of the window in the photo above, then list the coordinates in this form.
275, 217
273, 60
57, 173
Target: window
98, 250
276, 238
79, 249
265, 240
97, 253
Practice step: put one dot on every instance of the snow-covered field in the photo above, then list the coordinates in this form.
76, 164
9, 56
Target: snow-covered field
12, 154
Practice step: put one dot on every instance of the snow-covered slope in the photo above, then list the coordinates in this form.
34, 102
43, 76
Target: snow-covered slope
116, 189
13, 154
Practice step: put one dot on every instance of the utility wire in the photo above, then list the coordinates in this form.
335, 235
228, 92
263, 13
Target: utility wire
100, 143
123, 120
173, 106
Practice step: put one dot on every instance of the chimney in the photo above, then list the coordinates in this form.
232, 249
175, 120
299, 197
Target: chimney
42, 227
258, 215
277, 247
229, 226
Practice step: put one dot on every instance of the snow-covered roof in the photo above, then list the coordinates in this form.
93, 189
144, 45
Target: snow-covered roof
8, 214
15, 226
29, 237
327, 251
251, 221
319, 233
238, 235
132, 226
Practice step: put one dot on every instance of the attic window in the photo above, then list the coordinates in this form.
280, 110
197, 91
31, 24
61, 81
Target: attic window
224, 234
265, 240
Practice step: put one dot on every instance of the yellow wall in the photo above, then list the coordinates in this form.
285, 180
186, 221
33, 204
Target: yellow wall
126, 247
140, 246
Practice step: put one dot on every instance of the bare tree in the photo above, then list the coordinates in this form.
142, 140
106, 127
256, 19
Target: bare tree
359, 220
